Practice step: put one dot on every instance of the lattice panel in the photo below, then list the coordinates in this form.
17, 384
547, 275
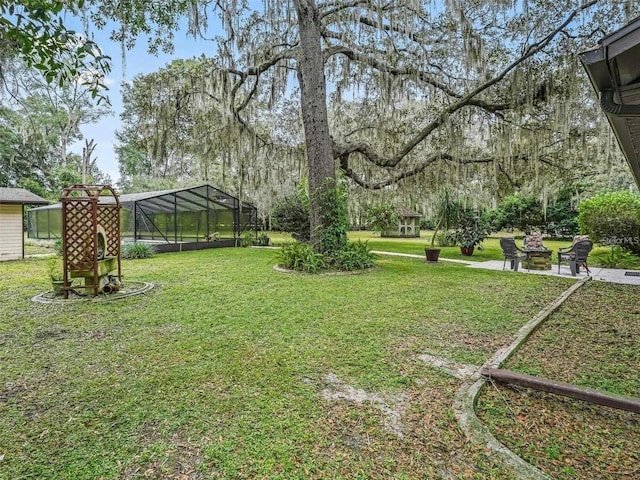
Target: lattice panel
79, 237
109, 219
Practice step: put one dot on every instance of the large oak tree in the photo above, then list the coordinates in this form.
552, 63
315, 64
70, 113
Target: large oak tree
491, 82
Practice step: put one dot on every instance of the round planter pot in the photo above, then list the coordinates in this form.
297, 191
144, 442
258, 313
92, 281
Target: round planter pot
432, 254
467, 251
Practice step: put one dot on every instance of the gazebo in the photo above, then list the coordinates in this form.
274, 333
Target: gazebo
12, 202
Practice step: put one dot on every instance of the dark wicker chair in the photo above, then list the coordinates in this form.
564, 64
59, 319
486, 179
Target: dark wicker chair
511, 252
576, 256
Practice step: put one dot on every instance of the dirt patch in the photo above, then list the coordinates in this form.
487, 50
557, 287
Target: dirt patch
53, 334
432, 445
391, 406
456, 369
11, 391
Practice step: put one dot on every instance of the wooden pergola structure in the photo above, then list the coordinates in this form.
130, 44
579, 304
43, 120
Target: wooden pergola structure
90, 236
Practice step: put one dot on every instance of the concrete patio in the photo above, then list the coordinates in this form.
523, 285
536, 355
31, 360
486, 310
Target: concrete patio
613, 275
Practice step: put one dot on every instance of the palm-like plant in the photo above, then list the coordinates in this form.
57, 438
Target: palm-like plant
447, 215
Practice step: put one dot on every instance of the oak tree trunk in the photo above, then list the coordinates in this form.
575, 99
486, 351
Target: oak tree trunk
313, 89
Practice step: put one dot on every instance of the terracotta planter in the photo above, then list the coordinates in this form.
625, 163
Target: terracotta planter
432, 254
467, 251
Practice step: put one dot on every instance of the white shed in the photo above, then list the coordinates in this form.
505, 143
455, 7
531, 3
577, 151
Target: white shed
12, 202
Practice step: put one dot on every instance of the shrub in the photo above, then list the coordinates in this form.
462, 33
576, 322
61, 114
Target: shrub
354, 256
615, 257
471, 231
612, 218
55, 269
427, 224
250, 238
523, 213
136, 250
247, 238
291, 215
446, 239
562, 216
381, 218
301, 257
262, 240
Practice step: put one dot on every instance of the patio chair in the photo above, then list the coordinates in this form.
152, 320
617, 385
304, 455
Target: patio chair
511, 252
576, 256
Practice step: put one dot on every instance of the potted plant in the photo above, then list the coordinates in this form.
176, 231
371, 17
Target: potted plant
470, 234
446, 216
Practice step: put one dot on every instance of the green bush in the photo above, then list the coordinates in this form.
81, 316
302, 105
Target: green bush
521, 212
427, 224
612, 218
381, 218
301, 257
446, 239
354, 256
471, 231
249, 238
262, 240
562, 216
55, 268
136, 250
291, 215
614, 257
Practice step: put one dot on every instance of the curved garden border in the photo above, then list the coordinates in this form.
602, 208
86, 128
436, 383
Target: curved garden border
467, 395
280, 269
131, 289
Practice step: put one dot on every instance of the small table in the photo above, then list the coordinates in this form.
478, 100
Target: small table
538, 259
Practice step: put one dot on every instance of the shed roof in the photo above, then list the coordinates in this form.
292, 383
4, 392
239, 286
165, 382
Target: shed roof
406, 212
614, 71
20, 196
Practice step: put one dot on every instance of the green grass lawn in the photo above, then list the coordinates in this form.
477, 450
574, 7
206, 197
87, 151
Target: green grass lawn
221, 369
229, 369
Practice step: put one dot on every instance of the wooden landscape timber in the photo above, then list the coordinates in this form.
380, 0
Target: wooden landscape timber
565, 389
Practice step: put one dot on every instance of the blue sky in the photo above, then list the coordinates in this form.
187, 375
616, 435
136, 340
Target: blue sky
138, 61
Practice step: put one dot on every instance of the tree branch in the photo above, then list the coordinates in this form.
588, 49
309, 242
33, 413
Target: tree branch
469, 99
422, 166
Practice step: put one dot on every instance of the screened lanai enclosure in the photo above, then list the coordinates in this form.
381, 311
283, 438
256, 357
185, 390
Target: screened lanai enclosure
172, 220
